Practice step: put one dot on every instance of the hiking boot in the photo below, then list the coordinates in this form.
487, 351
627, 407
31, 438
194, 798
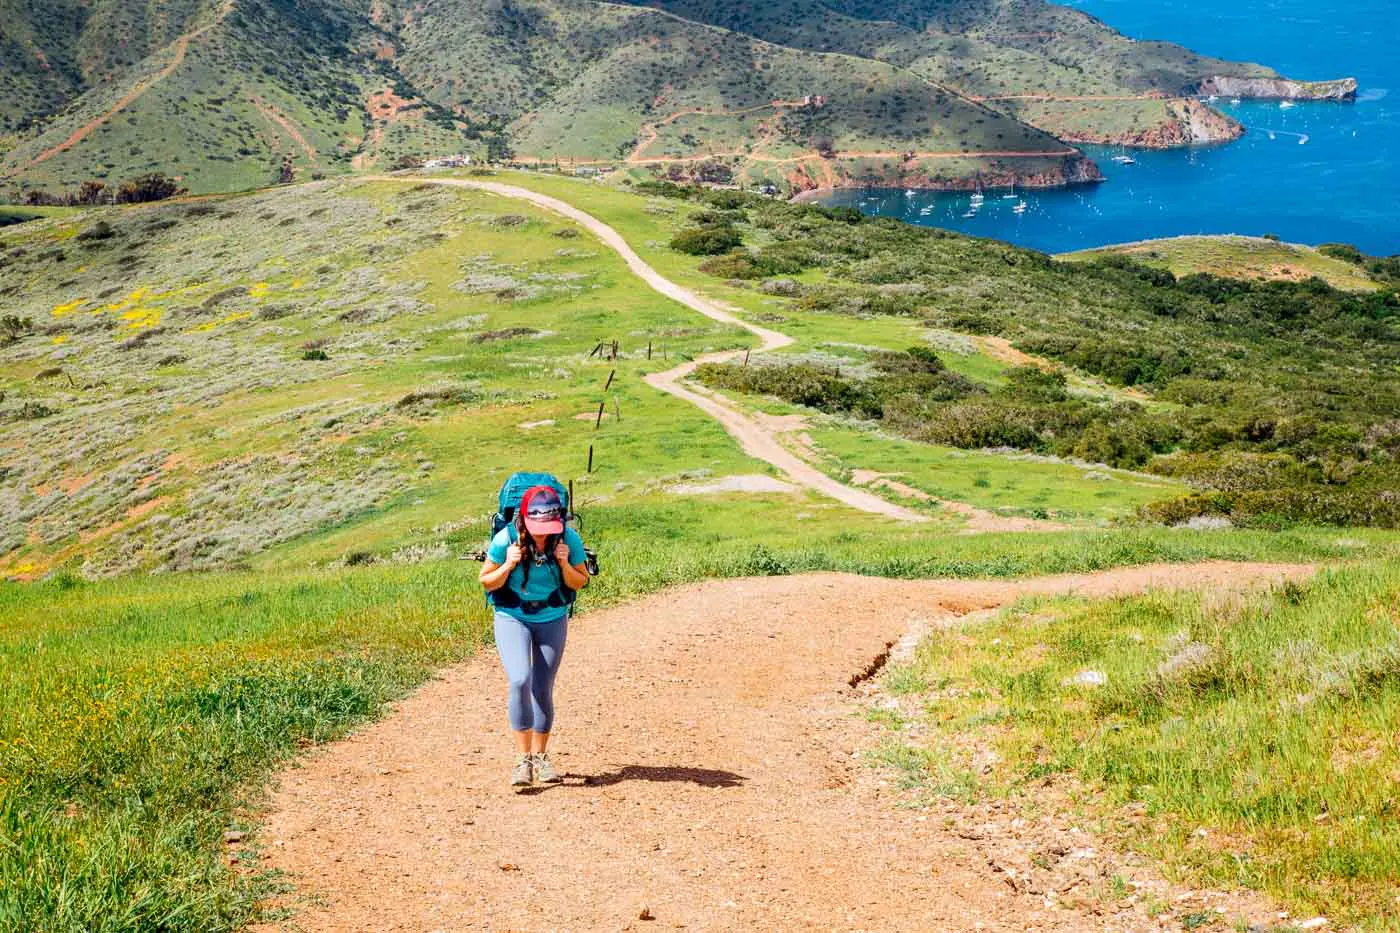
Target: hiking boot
522, 775
544, 771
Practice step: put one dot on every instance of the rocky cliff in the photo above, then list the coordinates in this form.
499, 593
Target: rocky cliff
1277, 88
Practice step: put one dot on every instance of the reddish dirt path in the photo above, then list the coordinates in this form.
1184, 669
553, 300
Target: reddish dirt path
712, 753
273, 115
792, 160
1071, 98
756, 439
179, 47
649, 130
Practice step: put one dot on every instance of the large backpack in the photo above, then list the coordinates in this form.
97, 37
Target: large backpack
507, 504
515, 487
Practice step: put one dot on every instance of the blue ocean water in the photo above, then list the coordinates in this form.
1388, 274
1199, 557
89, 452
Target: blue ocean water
1313, 173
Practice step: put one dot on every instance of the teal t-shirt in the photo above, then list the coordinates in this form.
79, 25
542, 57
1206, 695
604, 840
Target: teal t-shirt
543, 580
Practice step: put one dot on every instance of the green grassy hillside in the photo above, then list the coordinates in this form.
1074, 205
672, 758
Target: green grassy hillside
221, 95
995, 49
1241, 258
53, 52
311, 394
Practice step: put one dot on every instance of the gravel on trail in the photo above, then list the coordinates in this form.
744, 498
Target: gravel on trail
714, 779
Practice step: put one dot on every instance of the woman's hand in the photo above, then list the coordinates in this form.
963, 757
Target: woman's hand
561, 553
514, 555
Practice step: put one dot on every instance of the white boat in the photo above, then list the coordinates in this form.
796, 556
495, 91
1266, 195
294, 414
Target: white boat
1286, 105
1213, 98
970, 214
1125, 160
1020, 207
1235, 101
909, 192
978, 198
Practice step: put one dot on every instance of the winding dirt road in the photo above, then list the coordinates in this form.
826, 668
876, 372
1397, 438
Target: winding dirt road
714, 752
178, 49
756, 440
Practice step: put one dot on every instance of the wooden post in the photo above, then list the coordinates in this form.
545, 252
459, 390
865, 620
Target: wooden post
617, 407
601, 405
614, 353
746, 357
596, 350
610, 379
590, 458
648, 349
571, 497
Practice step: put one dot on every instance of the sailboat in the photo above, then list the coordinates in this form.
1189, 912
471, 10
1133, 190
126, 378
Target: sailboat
1010, 195
1020, 207
1286, 105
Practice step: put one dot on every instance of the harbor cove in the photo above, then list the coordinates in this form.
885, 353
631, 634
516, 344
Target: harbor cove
1307, 172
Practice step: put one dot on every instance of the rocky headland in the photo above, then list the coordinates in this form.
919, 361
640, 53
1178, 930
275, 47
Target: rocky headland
1342, 89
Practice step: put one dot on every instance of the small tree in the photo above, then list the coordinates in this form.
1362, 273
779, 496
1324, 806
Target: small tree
825, 145
288, 173
147, 188
91, 192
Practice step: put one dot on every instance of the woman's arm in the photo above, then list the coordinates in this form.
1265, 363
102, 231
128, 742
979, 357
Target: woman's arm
575, 578
494, 576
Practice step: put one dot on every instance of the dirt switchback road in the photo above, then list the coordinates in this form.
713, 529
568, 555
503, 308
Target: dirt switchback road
757, 441
714, 779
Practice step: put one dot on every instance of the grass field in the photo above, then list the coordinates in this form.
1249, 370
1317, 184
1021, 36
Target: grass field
328, 499
1242, 740
146, 710
1240, 257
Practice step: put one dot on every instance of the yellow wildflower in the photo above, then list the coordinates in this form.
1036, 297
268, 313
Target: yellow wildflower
68, 308
61, 338
259, 290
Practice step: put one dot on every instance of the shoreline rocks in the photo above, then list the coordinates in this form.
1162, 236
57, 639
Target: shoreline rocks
1342, 89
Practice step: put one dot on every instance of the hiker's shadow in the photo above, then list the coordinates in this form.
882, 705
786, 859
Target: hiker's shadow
704, 777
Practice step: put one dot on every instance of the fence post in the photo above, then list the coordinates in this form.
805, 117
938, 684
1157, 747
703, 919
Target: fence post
601, 405
590, 458
610, 380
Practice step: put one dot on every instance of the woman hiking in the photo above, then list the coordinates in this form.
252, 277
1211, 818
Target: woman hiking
534, 566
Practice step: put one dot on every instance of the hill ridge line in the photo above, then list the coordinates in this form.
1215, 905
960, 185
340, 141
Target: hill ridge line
756, 440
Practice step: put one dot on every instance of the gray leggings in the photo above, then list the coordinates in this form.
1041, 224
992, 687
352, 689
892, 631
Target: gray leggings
531, 656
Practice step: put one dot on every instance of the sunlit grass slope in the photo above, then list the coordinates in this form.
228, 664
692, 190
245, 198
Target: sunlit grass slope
1244, 740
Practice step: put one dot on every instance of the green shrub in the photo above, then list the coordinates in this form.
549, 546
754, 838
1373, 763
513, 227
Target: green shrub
707, 241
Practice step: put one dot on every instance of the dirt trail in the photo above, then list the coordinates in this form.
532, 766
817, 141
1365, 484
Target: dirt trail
714, 779
756, 439
634, 159
180, 46
277, 117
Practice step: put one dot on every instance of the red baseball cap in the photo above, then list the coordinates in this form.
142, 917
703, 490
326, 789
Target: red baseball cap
543, 510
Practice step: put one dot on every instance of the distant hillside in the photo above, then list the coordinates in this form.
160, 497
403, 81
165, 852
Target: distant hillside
799, 93
1241, 257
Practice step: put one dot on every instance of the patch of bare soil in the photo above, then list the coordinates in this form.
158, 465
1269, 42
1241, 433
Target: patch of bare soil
714, 780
